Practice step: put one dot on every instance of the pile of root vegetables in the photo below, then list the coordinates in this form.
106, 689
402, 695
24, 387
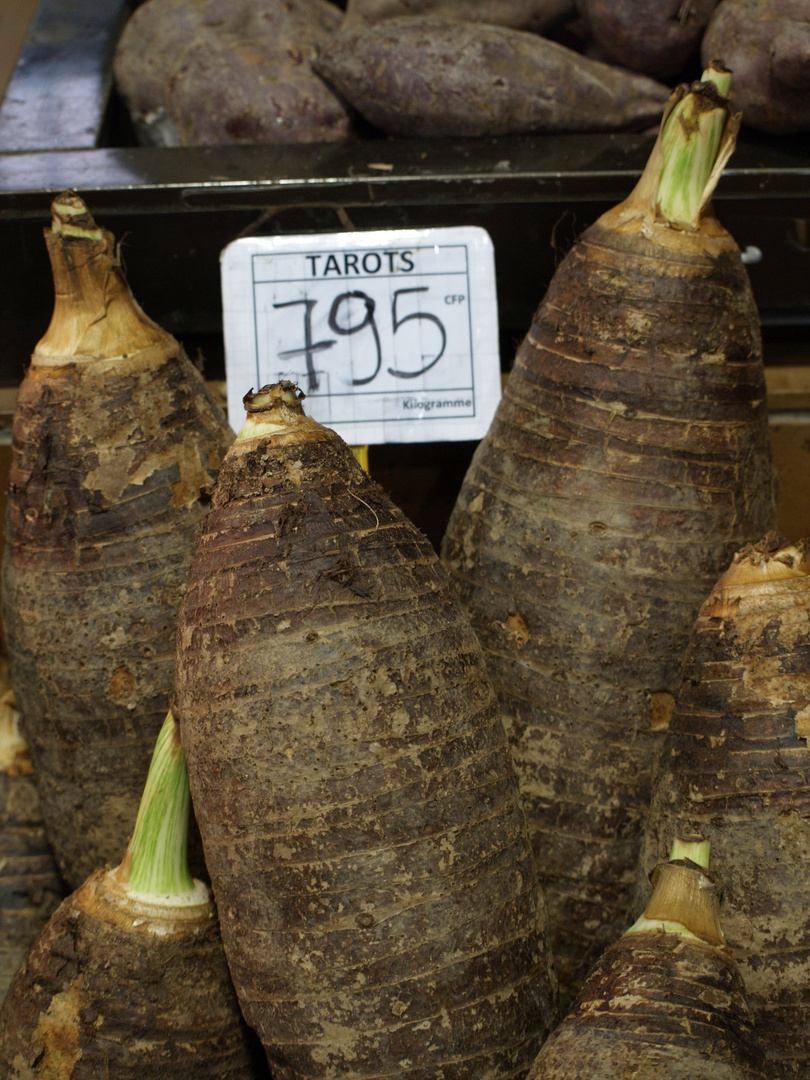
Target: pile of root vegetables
536, 806
196, 72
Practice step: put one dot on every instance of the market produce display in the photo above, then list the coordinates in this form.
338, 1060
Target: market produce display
128, 979
666, 1001
198, 72
628, 460
30, 885
736, 767
351, 776
116, 445
766, 43
222, 71
434, 76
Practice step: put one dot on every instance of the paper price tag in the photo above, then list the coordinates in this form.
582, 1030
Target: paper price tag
392, 334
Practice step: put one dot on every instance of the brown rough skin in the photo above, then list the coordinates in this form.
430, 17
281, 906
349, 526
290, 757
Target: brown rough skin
113, 461
766, 43
109, 991
352, 780
666, 1001
30, 885
628, 460
534, 15
736, 767
654, 38
656, 1007
217, 72
431, 76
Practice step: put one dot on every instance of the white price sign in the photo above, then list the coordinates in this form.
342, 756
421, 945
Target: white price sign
392, 335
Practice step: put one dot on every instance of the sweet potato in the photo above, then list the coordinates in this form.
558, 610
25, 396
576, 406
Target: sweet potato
736, 768
666, 1001
655, 38
431, 76
628, 459
766, 43
208, 72
351, 777
131, 983
115, 447
534, 15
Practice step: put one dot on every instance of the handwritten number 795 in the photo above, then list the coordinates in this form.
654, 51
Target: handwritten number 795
311, 347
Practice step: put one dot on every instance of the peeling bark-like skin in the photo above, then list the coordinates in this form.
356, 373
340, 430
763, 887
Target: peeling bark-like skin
628, 460
656, 1007
352, 780
666, 1001
116, 445
736, 768
30, 885
428, 76
108, 990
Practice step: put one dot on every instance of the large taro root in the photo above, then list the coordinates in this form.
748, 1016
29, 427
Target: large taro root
433, 76
628, 459
766, 43
115, 448
211, 72
736, 768
666, 1001
656, 38
351, 777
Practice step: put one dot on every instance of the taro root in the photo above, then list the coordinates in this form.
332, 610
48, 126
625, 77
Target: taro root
433, 76
115, 447
216, 72
128, 980
766, 43
736, 768
654, 38
628, 460
666, 1001
30, 885
351, 777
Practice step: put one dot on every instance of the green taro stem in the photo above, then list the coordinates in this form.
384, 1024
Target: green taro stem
696, 851
690, 141
158, 850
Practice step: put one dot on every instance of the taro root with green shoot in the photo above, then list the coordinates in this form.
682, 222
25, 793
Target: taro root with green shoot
627, 461
736, 767
351, 777
128, 979
666, 1001
115, 448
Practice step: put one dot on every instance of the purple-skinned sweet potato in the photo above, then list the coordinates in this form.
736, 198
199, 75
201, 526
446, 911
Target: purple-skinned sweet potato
766, 43
654, 38
431, 76
212, 72
535, 15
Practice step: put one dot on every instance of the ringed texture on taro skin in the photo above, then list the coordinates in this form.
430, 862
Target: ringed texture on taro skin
627, 461
351, 777
115, 447
736, 767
